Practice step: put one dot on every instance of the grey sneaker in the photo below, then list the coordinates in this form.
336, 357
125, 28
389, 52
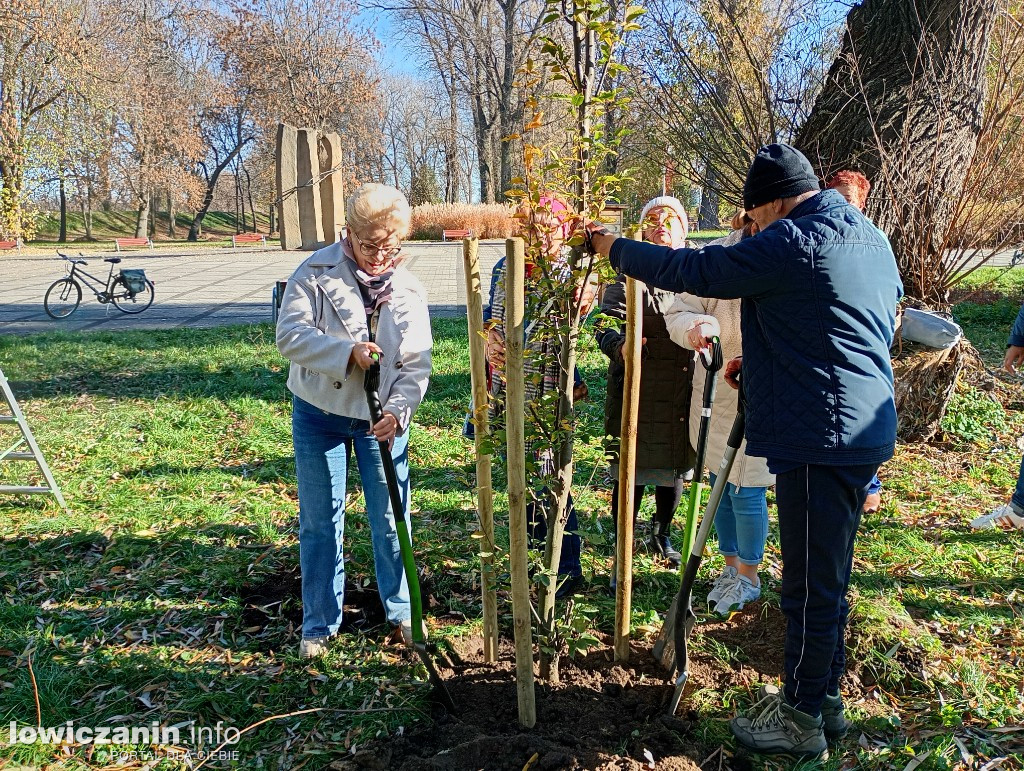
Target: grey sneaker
772, 726
738, 593
833, 715
723, 581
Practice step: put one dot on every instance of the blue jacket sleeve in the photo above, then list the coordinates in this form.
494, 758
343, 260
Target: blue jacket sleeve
747, 269
1017, 333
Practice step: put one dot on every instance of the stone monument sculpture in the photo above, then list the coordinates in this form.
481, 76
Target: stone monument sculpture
310, 195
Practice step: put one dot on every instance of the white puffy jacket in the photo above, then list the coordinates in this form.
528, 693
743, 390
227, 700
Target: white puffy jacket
721, 318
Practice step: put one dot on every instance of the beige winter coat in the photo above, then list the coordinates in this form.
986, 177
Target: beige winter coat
722, 318
322, 318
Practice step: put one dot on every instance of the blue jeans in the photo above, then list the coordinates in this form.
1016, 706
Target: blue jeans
742, 523
819, 512
323, 443
1018, 494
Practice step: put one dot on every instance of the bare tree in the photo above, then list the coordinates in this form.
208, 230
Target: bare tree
476, 47
904, 103
720, 78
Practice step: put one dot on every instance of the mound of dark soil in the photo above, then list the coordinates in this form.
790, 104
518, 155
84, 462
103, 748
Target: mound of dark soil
603, 715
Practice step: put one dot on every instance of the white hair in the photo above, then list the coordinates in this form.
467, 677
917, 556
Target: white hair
374, 204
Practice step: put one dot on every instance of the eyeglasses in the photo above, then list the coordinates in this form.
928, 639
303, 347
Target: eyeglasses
656, 220
375, 252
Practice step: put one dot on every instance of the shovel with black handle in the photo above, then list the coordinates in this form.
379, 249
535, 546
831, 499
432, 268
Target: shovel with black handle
371, 382
684, 617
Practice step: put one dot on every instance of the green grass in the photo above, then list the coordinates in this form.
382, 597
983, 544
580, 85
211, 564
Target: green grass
106, 226
703, 236
174, 451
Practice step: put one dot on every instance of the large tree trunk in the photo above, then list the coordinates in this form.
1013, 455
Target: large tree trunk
142, 218
62, 236
211, 184
903, 103
509, 115
451, 147
707, 216
483, 152
87, 215
171, 215
12, 177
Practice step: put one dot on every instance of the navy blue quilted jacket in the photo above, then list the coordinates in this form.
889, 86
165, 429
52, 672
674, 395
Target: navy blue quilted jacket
819, 292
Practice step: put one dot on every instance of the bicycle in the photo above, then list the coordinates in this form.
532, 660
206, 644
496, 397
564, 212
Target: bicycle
129, 291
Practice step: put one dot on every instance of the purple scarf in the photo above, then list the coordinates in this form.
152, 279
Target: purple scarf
376, 290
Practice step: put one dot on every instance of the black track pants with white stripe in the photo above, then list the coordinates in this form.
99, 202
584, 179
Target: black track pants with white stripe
819, 512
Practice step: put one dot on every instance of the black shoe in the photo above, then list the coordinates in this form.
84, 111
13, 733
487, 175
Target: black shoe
662, 546
568, 586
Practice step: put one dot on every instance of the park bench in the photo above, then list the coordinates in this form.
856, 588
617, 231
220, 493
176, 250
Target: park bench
15, 244
120, 244
447, 235
248, 238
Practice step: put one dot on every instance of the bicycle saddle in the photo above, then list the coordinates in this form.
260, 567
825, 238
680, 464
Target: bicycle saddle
114, 260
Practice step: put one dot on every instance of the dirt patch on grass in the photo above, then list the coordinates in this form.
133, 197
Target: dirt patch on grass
276, 599
603, 715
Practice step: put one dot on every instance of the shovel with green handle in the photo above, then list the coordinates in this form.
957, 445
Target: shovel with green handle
711, 358
684, 618
371, 382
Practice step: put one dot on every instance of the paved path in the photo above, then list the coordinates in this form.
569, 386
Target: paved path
217, 286
208, 288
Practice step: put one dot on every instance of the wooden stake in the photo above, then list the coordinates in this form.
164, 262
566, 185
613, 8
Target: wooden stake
627, 468
515, 413
484, 492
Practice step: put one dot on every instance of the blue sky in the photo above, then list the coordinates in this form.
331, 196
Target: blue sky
394, 54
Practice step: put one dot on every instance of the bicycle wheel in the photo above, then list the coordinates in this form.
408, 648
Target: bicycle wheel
62, 298
127, 301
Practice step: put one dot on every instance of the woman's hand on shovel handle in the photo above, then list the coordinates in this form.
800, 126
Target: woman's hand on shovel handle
732, 371
385, 429
362, 354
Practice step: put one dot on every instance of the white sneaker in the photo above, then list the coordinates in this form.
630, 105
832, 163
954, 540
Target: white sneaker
312, 648
406, 628
721, 583
1005, 516
737, 594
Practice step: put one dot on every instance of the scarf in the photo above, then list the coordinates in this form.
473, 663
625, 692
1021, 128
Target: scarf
376, 290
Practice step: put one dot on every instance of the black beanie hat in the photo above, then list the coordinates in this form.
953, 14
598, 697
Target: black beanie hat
778, 171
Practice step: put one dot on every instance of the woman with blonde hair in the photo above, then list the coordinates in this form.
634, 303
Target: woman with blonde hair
346, 305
